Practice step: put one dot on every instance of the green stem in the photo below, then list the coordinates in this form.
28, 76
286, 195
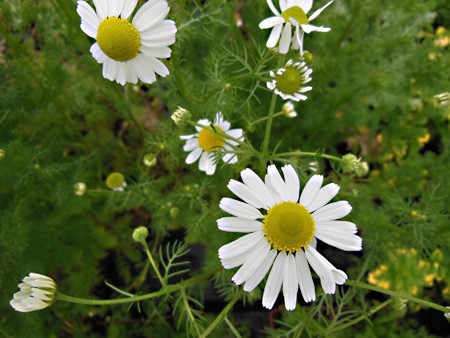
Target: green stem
360, 318
262, 119
152, 262
398, 294
307, 153
222, 315
188, 309
265, 145
164, 291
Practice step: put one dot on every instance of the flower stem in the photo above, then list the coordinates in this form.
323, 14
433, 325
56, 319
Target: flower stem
305, 154
360, 318
222, 315
164, 291
265, 145
152, 262
398, 294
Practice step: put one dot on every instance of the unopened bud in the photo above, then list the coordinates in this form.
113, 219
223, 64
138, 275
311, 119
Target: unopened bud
116, 181
181, 117
140, 234
80, 188
150, 160
288, 110
443, 100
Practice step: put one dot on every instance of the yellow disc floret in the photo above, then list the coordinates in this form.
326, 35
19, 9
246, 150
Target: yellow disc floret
118, 39
211, 141
289, 226
290, 81
115, 180
297, 13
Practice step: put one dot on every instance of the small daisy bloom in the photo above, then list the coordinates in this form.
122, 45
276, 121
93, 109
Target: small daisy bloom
288, 81
292, 16
116, 181
36, 293
205, 144
288, 110
282, 237
129, 50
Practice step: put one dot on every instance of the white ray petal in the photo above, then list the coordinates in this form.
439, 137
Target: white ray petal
271, 22
305, 280
254, 259
237, 224
311, 28
150, 14
240, 245
239, 209
194, 155
316, 13
128, 8
286, 37
323, 196
273, 285
292, 182
246, 194
341, 240
310, 190
261, 272
332, 211
305, 5
274, 36
290, 282
252, 180
277, 183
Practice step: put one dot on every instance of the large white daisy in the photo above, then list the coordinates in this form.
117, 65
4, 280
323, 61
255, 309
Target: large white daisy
283, 236
292, 16
205, 144
129, 50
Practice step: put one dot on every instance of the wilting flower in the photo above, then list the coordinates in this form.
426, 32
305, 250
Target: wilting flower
292, 16
129, 50
288, 81
36, 293
207, 143
283, 236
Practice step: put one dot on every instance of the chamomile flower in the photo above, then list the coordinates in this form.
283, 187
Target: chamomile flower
116, 181
129, 50
288, 110
282, 237
288, 81
36, 293
292, 16
205, 144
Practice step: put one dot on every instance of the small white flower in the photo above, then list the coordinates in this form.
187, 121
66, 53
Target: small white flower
205, 144
129, 50
293, 15
36, 293
288, 110
283, 236
181, 117
288, 81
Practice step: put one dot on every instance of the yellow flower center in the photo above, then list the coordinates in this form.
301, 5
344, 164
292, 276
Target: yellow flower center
118, 39
115, 180
288, 226
290, 81
297, 13
211, 141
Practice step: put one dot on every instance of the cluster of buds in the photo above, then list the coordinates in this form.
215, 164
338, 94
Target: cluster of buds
350, 163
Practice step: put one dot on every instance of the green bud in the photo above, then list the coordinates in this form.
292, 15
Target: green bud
140, 234
308, 58
362, 169
116, 181
150, 160
174, 212
349, 163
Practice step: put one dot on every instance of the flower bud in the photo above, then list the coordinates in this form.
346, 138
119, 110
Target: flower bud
80, 188
140, 234
288, 110
150, 160
181, 117
116, 181
443, 100
36, 293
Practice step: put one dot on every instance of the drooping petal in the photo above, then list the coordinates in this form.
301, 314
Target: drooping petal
274, 36
272, 7
274, 281
286, 38
316, 13
210, 165
311, 28
290, 282
305, 280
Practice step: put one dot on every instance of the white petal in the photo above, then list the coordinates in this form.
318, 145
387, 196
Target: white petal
194, 155
305, 280
157, 52
237, 224
187, 137
127, 9
239, 209
229, 157
204, 158
101, 7
274, 281
260, 272
255, 258
240, 245
316, 13
89, 19
311, 28
283, 5
191, 144
277, 183
286, 38
342, 240
246, 194
292, 182
210, 165
272, 7
276, 197
271, 22
150, 14
290, 282
143, 70
157, 66
332, 211
252, 180
97, 53
344, 226
232, 262
310, 190
323, 196
110, 69
305, 5
115, 7
274, 36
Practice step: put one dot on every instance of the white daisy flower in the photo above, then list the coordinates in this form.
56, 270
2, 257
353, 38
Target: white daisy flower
283, 235
36, 293
292, 16
288, 81
205, 144
129, 50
